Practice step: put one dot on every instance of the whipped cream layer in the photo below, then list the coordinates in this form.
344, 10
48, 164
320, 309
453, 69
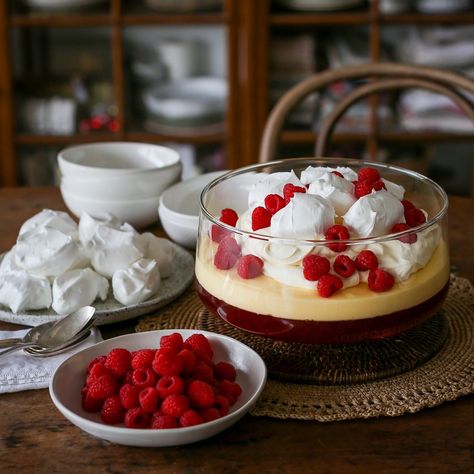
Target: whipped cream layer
266, 295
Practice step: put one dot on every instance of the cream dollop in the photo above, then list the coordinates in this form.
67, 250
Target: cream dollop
312, 173
78, 288
88, 226
161, 250
394, 188
374, 214
306, 216
338, 191
47, 251
21, 291
136, 283
115, 249
270, 184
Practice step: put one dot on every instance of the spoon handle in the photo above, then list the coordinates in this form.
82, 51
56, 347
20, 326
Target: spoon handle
13, 349
9, 342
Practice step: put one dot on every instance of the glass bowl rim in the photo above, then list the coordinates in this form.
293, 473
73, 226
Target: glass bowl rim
325, 162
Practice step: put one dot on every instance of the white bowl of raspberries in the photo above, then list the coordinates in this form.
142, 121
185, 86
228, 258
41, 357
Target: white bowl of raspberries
159, 388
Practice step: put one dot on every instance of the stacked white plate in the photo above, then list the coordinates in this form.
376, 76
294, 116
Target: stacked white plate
319, 5
61, 5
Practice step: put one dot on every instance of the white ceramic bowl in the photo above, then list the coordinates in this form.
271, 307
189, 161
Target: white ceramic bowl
140, 213
67, 380
115, 159
179, 208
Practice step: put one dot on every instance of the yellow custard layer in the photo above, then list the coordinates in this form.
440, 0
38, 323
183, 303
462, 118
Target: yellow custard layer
264, 295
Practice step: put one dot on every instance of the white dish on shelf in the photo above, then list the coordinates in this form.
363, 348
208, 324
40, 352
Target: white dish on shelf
179, 208
110, 310
61, 4
68, 379
443, 6
188, 101
319, 5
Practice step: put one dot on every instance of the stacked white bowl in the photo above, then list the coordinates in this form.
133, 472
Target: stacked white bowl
125, 179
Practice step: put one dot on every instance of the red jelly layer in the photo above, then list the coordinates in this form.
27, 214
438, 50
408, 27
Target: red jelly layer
323, 332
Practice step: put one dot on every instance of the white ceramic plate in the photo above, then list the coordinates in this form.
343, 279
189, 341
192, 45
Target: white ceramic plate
66, 383
110, 310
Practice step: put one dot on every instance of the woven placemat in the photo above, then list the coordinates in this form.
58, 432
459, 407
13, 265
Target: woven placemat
447, 375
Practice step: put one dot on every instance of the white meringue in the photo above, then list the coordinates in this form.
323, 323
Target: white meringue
8, 263
306, 216
394, 188
78, 288
338, 191
21, 291
312, 173
374, 214
137, 283
115, 249
48, 218
270, 184
46, 251
161, 250
88, 226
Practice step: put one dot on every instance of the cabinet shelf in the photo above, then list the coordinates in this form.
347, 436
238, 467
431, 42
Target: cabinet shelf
297, 19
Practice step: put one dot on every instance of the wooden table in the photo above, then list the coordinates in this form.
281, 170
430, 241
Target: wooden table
34, 436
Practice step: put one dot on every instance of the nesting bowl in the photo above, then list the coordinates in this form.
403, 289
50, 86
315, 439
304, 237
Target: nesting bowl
122, 178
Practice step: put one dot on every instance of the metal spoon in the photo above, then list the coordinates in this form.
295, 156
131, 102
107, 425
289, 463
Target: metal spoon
55, 334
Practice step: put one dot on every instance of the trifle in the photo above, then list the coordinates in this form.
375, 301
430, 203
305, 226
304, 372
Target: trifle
323, 251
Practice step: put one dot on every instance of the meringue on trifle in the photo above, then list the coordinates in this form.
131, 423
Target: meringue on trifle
323, 251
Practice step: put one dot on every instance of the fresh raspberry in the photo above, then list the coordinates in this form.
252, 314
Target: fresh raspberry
173, 341
170, 385
143, 358
227, 253
163, 422
337, 232
219, 233
175, 405
148, 399
407, 205
200, 343
128, 377
190, 418
229, 217
328, 284
167, 363
90, 404
128, 394
112, 411
189, 361
225, 371
209, 414
289, 191
368, 174
100, 359
378, 185
118, 361
203, 372
201, 394
415, 217
407, 239
230, 390
315, 266
366, 260
97, 370
344, 266
222, 404
137, 418
103, 387
337, 173
362, 188
144, 377
380, 280
249, 266
274, 202
261, 218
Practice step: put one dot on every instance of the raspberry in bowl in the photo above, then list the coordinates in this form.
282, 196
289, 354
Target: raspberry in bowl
323, 251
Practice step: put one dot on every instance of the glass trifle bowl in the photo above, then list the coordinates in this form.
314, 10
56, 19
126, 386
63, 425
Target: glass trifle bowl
323, 251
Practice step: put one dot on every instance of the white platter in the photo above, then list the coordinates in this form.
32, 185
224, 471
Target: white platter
110, 310
68, 379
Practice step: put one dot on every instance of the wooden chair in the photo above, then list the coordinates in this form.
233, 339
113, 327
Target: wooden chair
385, 76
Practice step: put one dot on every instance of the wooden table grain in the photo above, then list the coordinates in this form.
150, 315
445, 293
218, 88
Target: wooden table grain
34, 436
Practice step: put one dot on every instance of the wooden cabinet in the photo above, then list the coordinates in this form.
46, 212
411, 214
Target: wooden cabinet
248, 28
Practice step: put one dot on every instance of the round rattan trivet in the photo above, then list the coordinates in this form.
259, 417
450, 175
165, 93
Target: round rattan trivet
446, 375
